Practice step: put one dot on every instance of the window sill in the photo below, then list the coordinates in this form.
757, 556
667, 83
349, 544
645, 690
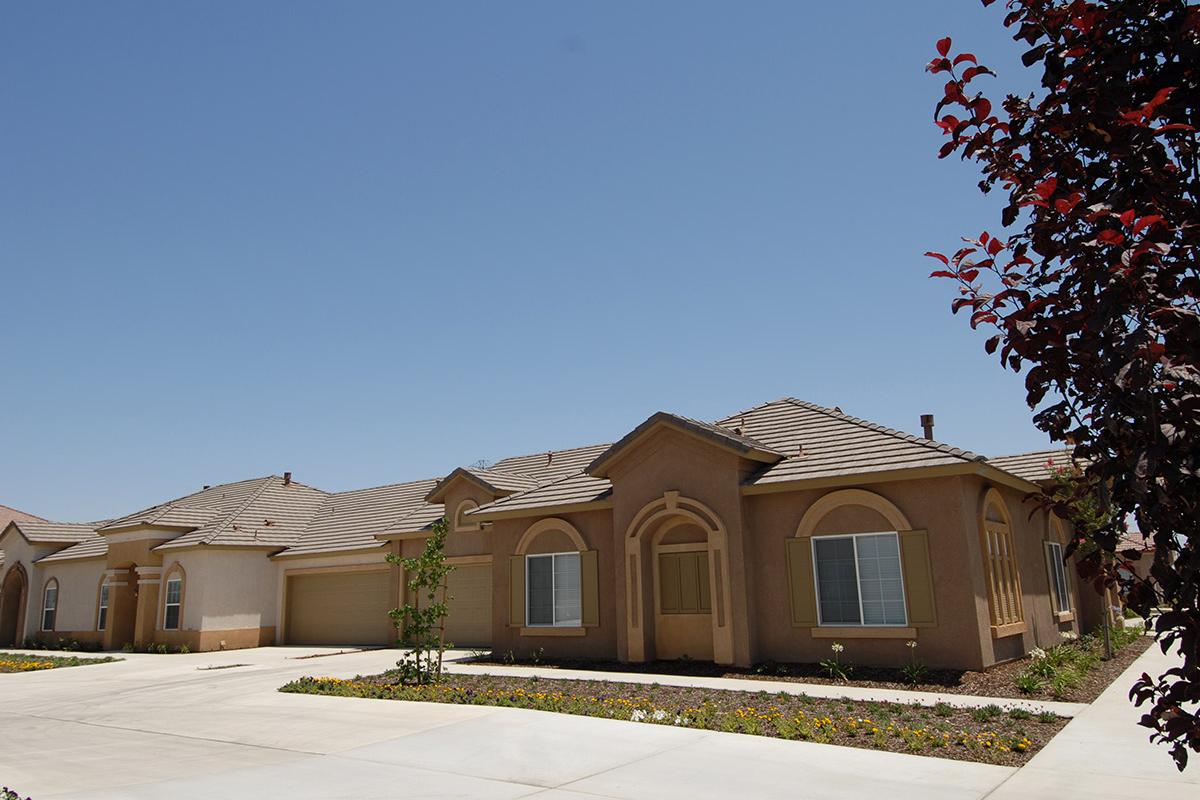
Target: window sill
865, 632
1065, 616
1011, 629
551, 631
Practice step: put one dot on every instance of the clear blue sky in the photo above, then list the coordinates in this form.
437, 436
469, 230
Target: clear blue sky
368, 242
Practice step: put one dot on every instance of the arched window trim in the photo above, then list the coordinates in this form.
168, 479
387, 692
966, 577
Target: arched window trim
103, 603
1001, 567
50, 613
175, 573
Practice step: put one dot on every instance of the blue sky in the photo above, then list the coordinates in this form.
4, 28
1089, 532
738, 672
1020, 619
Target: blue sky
368, 242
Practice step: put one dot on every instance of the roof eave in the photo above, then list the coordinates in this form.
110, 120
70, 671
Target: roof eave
980, 468
438, 493
489, 515
599, 467
286, 556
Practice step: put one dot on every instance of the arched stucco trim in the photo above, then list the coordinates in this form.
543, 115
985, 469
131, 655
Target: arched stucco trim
461, 524
176, 570
674, 506
852, 497
16, 572
51, 583
550, 524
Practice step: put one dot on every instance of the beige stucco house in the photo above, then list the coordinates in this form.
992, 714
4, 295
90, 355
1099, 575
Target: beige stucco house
764, 536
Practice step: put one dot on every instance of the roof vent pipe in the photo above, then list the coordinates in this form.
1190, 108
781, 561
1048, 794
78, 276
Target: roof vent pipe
927, 425
287, 479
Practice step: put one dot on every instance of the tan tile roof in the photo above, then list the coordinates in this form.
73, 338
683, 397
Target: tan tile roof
9, 514
418, 520
92, 547
1036, 466
825, 442
815, 442
551, 465
207, 506
42, 532
723, 436
350, 520
494, 481
273, 514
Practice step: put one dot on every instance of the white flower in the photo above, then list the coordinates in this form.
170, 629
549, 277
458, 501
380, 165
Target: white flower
910, 644
681, 720
837, 647
1070, 636
1037, 652
638, 716
659, 715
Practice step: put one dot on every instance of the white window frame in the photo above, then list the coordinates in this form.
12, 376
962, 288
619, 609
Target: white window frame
554, 610
1054, 553
858, 582
102, 607
46, 607
167, 604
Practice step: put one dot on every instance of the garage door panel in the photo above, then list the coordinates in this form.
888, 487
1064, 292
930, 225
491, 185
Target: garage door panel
469, 620
340, 608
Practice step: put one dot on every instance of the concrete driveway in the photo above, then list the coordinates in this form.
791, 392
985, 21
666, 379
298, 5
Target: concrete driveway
170, 726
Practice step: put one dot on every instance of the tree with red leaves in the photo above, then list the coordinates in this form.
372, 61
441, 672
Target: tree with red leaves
1093, 289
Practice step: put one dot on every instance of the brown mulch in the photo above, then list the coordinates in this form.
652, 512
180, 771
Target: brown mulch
998, 681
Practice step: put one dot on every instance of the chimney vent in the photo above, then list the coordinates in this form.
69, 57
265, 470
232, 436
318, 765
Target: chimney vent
927, 425
287, 479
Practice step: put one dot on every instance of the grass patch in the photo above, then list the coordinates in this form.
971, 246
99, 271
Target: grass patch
928, 730
14, 662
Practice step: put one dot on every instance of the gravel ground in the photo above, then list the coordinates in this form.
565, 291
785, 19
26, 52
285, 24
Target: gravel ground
997, 681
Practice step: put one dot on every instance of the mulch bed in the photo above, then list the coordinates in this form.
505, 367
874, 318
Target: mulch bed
998, 681
991, 735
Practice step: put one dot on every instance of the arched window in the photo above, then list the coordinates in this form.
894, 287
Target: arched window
173, 599
1000, 566
50, 604
1060, 592
553, 578
461, 521
102, 605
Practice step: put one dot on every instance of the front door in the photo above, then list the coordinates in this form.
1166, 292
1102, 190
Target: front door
683, 618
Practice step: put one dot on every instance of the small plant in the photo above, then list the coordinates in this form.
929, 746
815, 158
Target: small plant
1029, 683
537, 655
943, 709
184, 649
986, 713
1047, 718
1020, 713
914, 672
834, 667
422, 627
8, 794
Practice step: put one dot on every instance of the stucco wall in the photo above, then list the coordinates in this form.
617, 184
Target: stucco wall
78, 593
18, 550
224, 589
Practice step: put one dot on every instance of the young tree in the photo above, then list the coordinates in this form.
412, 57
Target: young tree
1094, 288
422, 627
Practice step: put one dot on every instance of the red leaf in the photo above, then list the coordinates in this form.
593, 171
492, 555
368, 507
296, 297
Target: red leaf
1146, 222
990, 344
995, 247
968, 275
1174, 126
943, 46
984, 238
982, 108
939, 257
1128, 217
1110, 237
1065, 204
948, 123
1046, 188
941, 273
964, 57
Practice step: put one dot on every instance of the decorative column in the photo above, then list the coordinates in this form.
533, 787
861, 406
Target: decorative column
122, 609
148, 580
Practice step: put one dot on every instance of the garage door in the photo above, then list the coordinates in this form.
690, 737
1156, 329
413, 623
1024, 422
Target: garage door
340, 608
469, 621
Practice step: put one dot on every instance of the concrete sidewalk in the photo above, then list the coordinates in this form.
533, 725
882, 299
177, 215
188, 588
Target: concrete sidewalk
834, 691
1104, 753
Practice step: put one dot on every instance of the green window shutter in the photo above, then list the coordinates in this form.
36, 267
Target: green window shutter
668, 578
590, 582
918, 578
800, 582
516, 590
705, 594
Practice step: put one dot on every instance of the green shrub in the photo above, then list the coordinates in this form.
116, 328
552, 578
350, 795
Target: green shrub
1019, 713
986, 713
1030, 683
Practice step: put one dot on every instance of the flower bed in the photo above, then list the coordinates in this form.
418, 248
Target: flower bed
992, 735
14, 662
999, 681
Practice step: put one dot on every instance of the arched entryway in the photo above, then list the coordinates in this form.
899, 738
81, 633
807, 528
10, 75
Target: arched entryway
677, 582
14, 593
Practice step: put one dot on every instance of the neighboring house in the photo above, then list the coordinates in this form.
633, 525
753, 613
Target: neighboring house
7, 515
767, 535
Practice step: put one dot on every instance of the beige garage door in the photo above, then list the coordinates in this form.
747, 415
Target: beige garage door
340, 608
469, 621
